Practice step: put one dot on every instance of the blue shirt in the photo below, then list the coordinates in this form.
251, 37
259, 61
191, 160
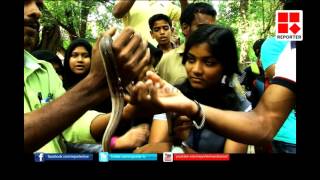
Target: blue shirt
271, 51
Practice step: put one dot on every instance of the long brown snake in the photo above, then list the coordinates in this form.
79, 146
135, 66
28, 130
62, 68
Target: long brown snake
115, 89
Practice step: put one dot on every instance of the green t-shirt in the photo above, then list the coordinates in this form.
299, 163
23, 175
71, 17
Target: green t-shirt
41, 78
170, 67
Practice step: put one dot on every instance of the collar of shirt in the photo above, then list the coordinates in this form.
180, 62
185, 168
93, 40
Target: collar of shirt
31, 64
180, 49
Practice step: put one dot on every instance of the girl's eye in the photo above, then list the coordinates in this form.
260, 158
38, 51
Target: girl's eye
210, 62
191, 59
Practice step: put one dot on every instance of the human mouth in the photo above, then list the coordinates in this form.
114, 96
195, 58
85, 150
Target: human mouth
34, 25
163, 38
196, 80
79, 67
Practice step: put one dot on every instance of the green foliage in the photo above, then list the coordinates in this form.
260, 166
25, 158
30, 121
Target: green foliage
261, 18
79, 18
72, 17
65, 44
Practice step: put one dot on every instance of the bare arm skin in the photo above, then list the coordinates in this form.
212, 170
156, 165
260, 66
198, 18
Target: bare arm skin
159, 132
258, 126
44, 124
234, 147
122, 7
255, 127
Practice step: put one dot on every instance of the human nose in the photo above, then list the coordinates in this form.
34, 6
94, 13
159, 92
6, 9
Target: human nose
162, 31
33, 10
79, 58
197, 68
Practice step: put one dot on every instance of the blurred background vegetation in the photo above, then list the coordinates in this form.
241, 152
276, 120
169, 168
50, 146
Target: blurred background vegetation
63, 21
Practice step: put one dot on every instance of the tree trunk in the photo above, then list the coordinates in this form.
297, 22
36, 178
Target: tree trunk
50, 39
85, 9
70, 26
243, 30
266, 28
51, 36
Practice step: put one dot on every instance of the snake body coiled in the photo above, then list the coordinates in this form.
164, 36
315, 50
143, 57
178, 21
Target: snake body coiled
115, 89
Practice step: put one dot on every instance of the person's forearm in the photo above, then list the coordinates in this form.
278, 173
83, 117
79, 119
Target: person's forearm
244, 127
258, 126
159, 131
100, 123
234, 147
98, 126
44, 124
122, 7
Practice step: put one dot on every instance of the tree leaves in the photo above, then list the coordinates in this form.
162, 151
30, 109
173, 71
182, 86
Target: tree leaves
88, 18
261, 22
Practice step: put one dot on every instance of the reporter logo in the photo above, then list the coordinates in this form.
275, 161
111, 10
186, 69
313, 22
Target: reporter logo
289, 25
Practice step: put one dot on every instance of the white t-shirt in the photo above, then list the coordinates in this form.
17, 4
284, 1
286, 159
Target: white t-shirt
286, 65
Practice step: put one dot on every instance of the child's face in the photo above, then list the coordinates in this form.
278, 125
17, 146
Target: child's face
203, 70
161, 31
80, 60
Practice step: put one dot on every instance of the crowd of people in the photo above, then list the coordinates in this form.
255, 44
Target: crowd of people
179, 97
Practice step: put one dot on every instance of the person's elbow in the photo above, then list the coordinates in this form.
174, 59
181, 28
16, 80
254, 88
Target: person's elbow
29, 145
267, 137
117, 13
267, 129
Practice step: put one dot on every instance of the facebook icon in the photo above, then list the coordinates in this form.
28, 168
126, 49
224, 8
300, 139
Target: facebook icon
39, 157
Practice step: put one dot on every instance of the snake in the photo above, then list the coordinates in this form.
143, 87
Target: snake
115, 89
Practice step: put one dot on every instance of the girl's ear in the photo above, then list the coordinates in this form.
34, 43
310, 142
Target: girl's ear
185, 29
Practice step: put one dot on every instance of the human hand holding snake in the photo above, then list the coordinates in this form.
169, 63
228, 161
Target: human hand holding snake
122, 59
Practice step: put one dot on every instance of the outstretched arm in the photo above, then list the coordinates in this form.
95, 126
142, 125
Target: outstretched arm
42, 125
259, 125
122, 7
255, 127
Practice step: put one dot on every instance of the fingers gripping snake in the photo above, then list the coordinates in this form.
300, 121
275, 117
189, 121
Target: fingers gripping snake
115, 89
